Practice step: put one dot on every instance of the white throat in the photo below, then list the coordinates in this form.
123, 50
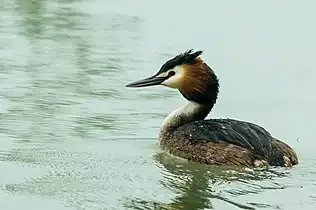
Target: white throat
182, 115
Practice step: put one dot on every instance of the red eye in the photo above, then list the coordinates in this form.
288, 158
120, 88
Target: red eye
171, 73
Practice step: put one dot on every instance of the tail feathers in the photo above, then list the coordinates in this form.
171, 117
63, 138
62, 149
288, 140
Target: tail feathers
282, 154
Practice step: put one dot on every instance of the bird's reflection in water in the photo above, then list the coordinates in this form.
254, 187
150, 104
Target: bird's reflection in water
194, 184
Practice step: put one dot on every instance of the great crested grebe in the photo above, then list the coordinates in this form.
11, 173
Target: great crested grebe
186, 134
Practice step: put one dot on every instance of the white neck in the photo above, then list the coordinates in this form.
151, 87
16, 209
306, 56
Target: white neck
190, 112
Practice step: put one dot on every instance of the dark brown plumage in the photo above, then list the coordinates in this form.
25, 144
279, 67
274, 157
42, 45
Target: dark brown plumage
186, 134
227, 142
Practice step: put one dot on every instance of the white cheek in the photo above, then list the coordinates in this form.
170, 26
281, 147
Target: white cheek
173, 82
163, 74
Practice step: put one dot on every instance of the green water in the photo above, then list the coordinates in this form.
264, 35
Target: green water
73, 137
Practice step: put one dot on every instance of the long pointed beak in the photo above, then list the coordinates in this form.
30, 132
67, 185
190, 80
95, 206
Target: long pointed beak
150, 81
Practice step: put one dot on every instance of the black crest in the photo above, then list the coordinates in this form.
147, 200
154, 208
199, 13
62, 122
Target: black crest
184, 58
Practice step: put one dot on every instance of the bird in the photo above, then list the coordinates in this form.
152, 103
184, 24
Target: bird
187, 134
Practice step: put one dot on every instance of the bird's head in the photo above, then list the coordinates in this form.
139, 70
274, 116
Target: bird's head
188, 73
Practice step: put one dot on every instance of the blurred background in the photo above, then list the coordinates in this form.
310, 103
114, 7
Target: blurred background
73, 137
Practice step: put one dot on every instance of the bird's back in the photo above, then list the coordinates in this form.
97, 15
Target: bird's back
219, 141
240, 133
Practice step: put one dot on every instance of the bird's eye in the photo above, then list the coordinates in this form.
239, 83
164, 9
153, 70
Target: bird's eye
171, 73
